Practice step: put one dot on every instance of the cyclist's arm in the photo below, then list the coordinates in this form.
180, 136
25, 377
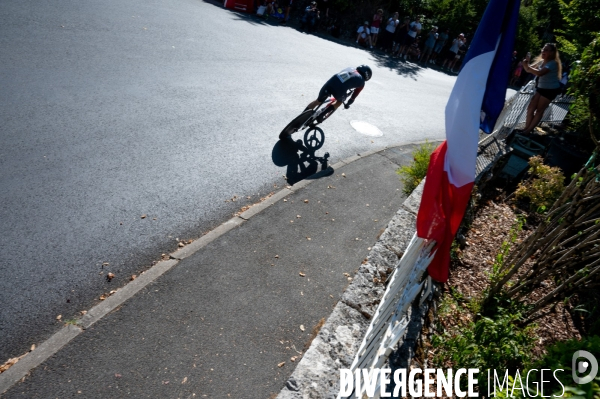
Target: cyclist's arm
356, 93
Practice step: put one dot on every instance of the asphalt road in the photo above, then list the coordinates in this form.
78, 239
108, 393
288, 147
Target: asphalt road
112, 110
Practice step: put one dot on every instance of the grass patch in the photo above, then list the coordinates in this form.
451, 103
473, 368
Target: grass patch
411, 175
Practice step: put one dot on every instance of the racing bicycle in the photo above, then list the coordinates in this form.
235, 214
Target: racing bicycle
310, 119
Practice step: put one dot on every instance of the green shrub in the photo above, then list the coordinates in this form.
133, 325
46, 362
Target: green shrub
559, 356
411, 175
543, 187
489, 343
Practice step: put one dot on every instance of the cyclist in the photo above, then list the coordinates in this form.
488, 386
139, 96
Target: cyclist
340, 83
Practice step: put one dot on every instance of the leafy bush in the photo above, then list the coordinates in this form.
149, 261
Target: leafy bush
585, 86
559, 356
411, 175
543, 187
489, 343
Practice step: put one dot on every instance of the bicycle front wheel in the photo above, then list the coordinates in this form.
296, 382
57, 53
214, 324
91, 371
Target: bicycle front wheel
295, 124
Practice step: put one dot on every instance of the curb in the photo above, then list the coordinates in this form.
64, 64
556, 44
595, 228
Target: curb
59, 339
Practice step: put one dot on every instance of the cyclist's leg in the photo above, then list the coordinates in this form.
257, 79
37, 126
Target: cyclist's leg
323, 94
340, 97
313, 105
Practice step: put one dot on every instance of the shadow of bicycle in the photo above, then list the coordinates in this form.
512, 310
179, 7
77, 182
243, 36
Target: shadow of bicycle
300, 157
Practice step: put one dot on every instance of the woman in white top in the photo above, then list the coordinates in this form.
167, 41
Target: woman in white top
547, 68
451, 57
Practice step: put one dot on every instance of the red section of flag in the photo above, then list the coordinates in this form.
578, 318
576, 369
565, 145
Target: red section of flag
440, 214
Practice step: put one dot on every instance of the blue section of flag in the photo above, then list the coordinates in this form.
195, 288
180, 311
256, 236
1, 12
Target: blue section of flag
497, 27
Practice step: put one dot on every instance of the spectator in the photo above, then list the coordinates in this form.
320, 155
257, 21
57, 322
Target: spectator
288, 7
388, 34
413, 30
414, 51
547, 67
453, 51
377, 18
516, 74
457, 58
267, 8
514, 61
401, 36
439, 45
364, 35
278, 12
310, 18
564, 81
323, 6
432, 37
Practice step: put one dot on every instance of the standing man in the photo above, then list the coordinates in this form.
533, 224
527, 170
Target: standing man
413, 30
432, 37
439, 45
310, 18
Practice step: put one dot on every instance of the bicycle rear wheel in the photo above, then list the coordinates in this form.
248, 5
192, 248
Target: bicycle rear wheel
295, 124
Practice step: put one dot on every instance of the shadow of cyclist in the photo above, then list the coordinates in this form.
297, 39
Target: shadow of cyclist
301, 161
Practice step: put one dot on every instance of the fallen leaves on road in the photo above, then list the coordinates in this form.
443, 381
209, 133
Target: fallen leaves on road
104, 296
110, 276
306, 201
59, 317
281, 364
144, 216
302, 327
12, 361
133, 277
302, 274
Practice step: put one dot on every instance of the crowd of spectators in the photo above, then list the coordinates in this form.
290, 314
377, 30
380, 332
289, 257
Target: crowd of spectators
409, 39
398, 39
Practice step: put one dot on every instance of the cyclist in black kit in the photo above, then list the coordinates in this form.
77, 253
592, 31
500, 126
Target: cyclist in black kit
340, 83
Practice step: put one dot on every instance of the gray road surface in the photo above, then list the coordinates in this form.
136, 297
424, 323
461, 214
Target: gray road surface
111, 110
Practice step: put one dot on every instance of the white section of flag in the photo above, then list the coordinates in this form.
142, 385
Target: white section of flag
463, 113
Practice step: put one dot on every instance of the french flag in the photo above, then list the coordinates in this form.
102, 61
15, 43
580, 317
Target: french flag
475, 102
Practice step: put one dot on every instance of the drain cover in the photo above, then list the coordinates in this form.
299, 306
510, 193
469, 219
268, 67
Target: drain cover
366, 128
